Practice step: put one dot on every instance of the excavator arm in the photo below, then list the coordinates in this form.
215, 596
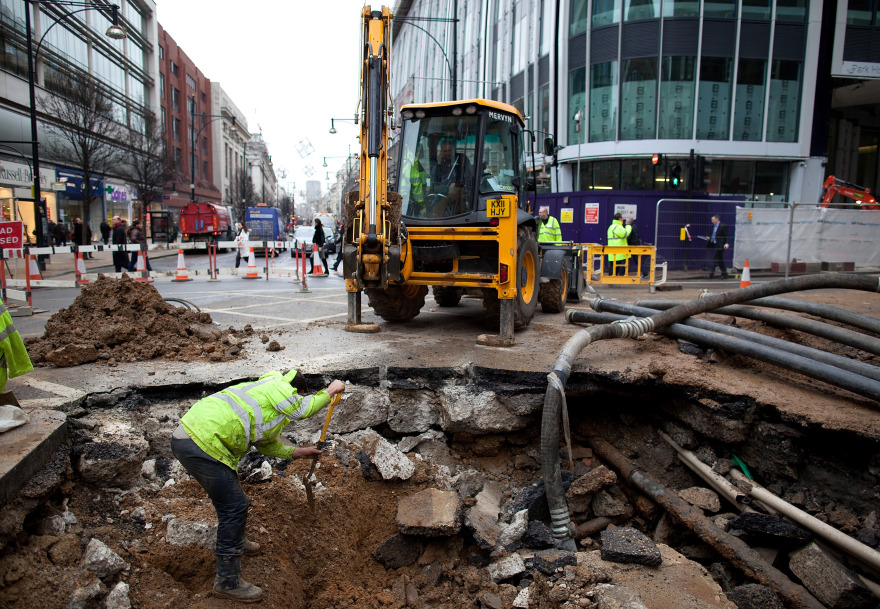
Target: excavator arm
835, 186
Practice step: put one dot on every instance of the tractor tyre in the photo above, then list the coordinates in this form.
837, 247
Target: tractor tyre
396, 302
446, 296
527, 278
553, 294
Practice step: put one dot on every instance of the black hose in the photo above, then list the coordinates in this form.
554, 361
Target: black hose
793, 322
187, 304
834, 376
857, 320
561, 525
830, 359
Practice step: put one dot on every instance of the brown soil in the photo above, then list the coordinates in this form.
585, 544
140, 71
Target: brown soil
123, 320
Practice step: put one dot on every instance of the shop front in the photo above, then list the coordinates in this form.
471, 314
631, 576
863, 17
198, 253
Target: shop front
70, 201
16, 199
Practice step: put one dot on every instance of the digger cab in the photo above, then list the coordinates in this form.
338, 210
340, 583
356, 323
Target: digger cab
454, 157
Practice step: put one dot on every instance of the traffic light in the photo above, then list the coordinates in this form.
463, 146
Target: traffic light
675, 176
701, 173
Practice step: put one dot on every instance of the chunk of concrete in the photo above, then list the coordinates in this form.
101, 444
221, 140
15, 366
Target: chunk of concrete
397, 551
700, 497
118, 597
538, 536
114, 460
73, 354
82, 597
431, 512
754, 596
25, 450
482, 517
832, 583
514, 531
187, 532
629, 545
391, 463
610, 596
101, 560
509, 566
593, 481
549, 562
606, 504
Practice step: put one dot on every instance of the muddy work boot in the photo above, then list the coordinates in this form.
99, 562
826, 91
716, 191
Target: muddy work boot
250, 548
229, 584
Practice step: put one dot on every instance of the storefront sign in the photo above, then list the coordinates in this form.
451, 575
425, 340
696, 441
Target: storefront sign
118, 192
19, 174
11, 235
591, 213
74, 181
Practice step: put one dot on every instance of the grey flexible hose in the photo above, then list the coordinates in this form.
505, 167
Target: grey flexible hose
819, 309
561, 525
830, 359
791, 322
834, 376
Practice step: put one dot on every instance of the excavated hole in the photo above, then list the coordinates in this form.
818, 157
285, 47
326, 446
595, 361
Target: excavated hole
326, 560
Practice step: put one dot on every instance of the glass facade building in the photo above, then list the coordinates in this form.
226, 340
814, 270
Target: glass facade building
747, 84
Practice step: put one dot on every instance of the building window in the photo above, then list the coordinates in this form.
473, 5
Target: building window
546, 28
605, 12
636, 10
638, 99
177, 157
577, 20
681, 8
783, 112
191, 106
719, 9
756, 10
636, 174
204, 145
175, 128
603, 102
163, 125
204, 97
748, 111
792, 10
677, 98
577, 121
713, 114
190, 82
175, 99
205, 169
544, 108
864, 12
174, 68
161, 52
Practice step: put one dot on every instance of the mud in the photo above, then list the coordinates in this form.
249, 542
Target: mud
123, 320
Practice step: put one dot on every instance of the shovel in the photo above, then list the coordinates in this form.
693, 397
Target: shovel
309, 480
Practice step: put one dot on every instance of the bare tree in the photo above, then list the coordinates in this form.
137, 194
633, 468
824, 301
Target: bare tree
149, 167
86, 129
242, 192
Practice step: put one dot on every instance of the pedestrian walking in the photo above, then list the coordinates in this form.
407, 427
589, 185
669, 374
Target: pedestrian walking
105, 231
718, 244
241, 241
217, 431
318, 239
137, 236
82, 235
120, 258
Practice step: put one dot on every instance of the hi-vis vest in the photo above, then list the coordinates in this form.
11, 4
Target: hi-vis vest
550, 231
14, 358
617, 234
227, 423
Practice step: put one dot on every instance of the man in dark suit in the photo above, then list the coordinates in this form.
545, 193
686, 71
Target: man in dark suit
718, 243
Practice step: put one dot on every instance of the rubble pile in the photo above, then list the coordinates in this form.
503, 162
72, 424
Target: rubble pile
123, 320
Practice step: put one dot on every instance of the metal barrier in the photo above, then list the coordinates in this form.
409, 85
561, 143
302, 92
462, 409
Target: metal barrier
637, 267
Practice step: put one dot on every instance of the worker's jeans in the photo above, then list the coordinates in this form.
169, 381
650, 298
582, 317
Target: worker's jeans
224, 489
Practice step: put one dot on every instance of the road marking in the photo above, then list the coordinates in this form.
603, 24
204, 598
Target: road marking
286, 320
49, 387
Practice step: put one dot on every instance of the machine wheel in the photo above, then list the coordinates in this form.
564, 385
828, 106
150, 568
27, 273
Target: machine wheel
526, 300
553, 294
446, 296
397, 303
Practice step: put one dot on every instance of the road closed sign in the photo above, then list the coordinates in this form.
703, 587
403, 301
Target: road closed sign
11, 235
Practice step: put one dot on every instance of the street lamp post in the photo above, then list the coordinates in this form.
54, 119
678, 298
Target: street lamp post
114, 31
453, 69
333, 123
194, 136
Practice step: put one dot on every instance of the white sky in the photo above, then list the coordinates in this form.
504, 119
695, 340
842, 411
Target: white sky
290, 66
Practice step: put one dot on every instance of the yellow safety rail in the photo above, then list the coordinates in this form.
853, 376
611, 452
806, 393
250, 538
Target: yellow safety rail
636, 267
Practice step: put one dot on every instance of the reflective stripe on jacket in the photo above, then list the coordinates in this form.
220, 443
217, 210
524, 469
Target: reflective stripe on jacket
550, 231
617, 235
227, 423
14, 358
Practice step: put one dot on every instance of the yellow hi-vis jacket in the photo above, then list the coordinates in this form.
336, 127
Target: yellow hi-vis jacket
617, 234
227, 423
550, 231
14, 358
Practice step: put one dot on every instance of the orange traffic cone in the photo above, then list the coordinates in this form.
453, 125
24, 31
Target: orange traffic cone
181, 268
746, 280
33, 273
142, 268
252, 266
317, 269
80, 270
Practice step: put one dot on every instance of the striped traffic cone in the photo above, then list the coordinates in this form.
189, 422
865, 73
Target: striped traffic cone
746, 280
142, 268
181, 268
317, 269
80, 270
33, 273
252, 266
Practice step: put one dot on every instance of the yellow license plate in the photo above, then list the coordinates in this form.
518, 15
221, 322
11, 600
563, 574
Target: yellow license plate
497, 208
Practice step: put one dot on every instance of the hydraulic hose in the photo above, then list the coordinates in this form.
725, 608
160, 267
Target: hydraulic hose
793, 322
830, 359
833, 376
818, 309
562, 528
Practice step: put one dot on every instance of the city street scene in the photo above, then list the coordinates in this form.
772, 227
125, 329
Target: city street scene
494, 304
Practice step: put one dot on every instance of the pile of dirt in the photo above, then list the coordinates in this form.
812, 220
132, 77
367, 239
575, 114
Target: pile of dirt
122, 320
